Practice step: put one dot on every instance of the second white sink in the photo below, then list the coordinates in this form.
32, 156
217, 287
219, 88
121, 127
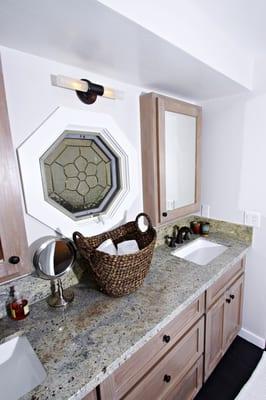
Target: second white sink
200, 251
20, 368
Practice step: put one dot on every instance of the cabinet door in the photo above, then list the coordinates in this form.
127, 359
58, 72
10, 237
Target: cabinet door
214, 335
233, 311
13, 244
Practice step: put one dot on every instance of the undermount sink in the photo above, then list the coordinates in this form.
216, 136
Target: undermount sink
20, 368
200, 251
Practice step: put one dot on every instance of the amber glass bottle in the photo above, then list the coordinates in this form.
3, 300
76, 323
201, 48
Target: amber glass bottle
17, 307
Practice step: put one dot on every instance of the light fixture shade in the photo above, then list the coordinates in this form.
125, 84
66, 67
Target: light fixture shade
69, 83
86, 90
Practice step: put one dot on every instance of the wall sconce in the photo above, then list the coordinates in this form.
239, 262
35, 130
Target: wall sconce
86, 91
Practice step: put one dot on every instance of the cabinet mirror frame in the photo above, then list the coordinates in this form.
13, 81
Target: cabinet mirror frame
152, 110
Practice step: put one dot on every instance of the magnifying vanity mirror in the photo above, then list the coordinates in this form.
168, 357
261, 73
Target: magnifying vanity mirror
54, 258
170, 138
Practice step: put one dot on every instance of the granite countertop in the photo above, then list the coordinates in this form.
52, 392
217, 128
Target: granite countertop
80, 346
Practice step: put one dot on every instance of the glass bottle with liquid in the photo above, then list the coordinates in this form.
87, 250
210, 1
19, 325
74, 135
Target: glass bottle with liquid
17, 306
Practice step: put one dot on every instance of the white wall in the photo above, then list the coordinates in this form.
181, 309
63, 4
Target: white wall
184, 24
233, 180
31, 98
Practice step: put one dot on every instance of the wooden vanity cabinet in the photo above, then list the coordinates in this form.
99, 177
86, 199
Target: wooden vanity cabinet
14, 260
223, 318
162, 364
175, 362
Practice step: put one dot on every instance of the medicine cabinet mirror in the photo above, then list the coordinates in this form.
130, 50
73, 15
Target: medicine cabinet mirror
170, 132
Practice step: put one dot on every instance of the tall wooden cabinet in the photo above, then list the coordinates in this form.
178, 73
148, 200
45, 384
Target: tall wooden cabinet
14, 259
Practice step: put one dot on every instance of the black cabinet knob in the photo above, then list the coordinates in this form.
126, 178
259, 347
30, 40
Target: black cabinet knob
14, 260
166, 338
232, 296
165, 214
228, 300
167, 378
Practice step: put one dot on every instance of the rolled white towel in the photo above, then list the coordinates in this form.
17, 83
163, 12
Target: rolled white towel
108, 247
127, 247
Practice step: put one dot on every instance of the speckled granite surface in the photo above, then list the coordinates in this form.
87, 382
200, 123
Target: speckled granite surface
36, 289
237, 231
81, 346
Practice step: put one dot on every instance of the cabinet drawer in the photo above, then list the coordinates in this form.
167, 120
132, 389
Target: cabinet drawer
133, 369
190, 385
219, 287
160, 382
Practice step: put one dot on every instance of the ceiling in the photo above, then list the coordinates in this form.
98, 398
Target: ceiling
242, 20
87, 34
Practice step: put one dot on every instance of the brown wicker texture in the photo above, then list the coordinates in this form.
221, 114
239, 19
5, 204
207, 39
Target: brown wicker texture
118, 275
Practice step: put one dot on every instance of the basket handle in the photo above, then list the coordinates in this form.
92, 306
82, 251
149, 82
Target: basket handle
77, 235
147, 218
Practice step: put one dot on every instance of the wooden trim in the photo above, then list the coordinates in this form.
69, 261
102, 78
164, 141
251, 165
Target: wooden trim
12, 229
149, 155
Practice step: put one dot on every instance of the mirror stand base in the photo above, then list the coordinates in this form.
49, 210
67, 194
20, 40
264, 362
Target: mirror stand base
61, 298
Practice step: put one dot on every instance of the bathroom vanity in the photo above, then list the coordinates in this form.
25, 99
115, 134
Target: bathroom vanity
163, 340
174, 364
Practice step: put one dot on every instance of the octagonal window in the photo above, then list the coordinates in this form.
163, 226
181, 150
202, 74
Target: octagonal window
80, 174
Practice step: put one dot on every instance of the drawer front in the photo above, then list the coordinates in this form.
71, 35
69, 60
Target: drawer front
91, 396
160, 382
219, 287
190, 385
144, 359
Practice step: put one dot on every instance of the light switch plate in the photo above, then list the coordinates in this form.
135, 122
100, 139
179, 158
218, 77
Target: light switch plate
205, 210
252, 218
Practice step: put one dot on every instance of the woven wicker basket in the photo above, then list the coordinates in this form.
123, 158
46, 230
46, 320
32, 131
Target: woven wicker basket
118, 275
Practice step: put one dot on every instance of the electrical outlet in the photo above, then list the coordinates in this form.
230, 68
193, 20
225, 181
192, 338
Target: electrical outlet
205, 210
252, 218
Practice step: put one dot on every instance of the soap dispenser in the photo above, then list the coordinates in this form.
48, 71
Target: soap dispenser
16, 305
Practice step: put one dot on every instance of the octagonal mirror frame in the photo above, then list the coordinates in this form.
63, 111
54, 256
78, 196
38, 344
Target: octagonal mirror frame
29, 154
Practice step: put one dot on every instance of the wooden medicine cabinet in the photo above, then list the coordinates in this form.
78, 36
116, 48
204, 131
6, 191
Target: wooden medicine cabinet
14, 260
170, 139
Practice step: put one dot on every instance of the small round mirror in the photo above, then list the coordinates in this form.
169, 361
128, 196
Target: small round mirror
52, 260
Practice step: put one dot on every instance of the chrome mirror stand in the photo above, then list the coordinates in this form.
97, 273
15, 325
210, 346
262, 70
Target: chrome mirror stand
59, 297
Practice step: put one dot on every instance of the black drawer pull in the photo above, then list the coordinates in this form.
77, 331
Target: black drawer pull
164, 214
232, 296
167, 378
228, 300
166, 338
14, 260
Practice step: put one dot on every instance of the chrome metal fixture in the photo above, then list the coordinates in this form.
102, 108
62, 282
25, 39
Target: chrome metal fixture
54, 258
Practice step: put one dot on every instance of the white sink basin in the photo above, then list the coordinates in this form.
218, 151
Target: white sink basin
20, 368
200, 251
